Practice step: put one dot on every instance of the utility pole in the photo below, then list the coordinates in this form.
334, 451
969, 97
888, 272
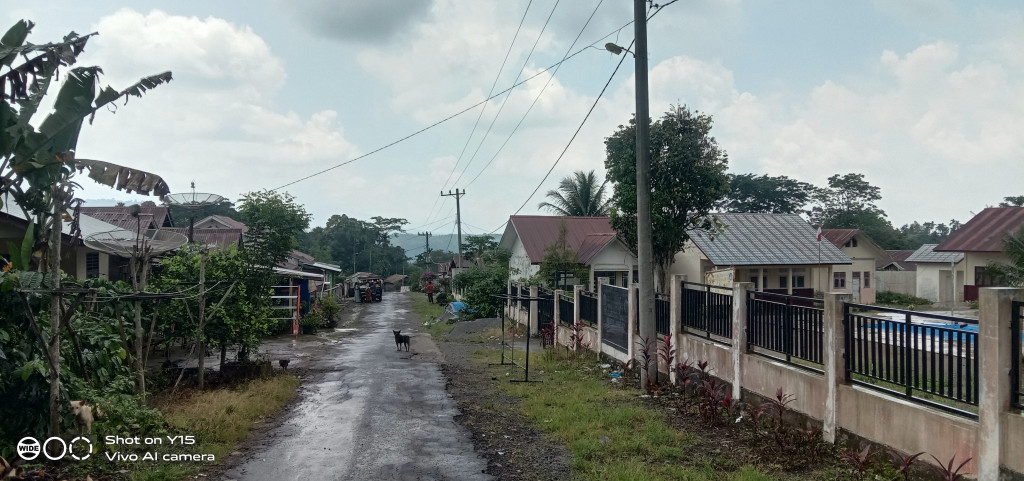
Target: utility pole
458, 215
426, 253
645, 248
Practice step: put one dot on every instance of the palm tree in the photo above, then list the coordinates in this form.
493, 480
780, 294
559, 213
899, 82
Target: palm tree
1011, 274
578, 195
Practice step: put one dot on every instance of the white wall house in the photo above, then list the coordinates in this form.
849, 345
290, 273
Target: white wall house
856, 278
937, 280
980, 241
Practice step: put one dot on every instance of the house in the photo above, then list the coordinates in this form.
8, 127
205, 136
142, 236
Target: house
220, 222
777, 252
936, 276
864, 253
980, 240
597, 246
896, 260
394, 282
155, 217
78, 260
453, 267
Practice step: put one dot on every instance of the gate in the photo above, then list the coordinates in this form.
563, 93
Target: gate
615, 317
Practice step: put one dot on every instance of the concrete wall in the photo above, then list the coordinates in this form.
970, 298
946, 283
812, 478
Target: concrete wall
994, 441
979, 259
519, 263
903, 282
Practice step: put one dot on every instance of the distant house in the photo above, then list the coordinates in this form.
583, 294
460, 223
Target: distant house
777, 252
156, 217
864, 253
79, 261
220, 222
935, 273
393, 283
596, 244
896, 260
980, 240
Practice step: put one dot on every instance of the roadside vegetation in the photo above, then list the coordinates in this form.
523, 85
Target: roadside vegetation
901, 301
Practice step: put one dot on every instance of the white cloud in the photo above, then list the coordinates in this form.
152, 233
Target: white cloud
362, 21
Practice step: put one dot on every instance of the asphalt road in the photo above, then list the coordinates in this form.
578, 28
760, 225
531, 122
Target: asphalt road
366, 412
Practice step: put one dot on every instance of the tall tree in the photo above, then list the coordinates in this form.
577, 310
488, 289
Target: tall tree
578, 195
849, 203
274, 220
775, 195
687, 180
476, 245
1012, 201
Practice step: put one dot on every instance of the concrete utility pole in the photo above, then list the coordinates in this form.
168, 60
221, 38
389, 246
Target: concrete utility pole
426, 253
458, 215
645, 255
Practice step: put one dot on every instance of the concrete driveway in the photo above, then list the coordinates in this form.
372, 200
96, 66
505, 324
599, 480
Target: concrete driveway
366, 412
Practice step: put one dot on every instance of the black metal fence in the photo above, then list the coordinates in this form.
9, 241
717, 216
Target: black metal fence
1016, 393
545, 310
786, 327
707, 310
524, 291
615, 317
588, 308
566, 309
928, 358
662, 313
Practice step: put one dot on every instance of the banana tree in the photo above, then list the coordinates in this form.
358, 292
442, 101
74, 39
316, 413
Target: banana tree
37, 164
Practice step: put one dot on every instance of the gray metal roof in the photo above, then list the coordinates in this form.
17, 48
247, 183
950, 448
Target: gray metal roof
767, 239
926, 253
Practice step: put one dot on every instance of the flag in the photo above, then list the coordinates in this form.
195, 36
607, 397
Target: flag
819, 233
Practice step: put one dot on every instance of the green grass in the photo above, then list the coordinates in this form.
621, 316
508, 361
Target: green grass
428, 311
579, 409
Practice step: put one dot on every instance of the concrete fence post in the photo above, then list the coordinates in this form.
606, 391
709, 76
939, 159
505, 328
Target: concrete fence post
995, 356
675, 312
508, 301
556, 311
534, 291
631, 321
601, 282
834, 340
739, 334
576, 293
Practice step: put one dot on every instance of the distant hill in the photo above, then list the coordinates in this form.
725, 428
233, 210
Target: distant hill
414, 244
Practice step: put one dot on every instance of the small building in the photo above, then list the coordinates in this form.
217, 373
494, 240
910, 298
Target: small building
896, 260
980, 240
220, 222
864, 253
939, 274
777, 252
154, 217
596, 244
394, 282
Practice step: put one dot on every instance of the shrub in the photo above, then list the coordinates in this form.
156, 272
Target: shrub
898, 299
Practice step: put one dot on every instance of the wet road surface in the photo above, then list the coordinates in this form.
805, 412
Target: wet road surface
365, 412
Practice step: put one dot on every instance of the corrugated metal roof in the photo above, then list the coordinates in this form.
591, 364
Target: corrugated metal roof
898, 258
838, 237
293, 273
985, 232
592, 245
88, 224
540, 231
767, 239
223, 238
926, 253
150, 217
225, 221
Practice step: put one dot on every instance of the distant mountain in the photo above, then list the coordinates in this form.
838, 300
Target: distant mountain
414, 244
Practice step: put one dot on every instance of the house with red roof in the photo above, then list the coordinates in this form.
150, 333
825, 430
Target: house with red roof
981, 241
595, 241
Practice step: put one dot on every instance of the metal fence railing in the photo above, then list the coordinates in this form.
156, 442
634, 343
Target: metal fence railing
545, 309
662, 314
1016, 393
786, 327
928, 358
566, 309
615, 317
588, 308
706, 310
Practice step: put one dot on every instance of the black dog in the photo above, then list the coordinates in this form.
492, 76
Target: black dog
401, 339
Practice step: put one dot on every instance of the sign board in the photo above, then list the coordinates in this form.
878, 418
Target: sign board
720, 277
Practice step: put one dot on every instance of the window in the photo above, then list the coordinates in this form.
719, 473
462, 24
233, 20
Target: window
753, 279
783, 282
851, 243
867, 279
839, 280
982, 278
798, 278
92, 265
856, 275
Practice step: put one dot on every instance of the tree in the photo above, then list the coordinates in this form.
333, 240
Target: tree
481, 283
38, 163
578, 195
1011, 274
181, 214
1012, 201
849, 203
274, 221
916, 234
775, 195
476, 245
687, 180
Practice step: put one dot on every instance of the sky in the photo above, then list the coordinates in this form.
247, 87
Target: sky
924, 97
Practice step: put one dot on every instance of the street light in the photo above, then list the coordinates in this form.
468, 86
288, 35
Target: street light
617, 50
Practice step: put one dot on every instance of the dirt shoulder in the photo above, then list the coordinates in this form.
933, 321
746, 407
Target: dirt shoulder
515, 450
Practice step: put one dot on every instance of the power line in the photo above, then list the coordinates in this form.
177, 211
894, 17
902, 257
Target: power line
489, 93
505, 100
559, 159
535, 99
452, 116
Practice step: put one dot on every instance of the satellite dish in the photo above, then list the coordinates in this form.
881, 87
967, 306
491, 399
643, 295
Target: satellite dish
126, 243
193, 199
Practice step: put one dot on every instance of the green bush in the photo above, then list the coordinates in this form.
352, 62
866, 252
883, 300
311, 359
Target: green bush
314, 318
898, 299
331, 307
